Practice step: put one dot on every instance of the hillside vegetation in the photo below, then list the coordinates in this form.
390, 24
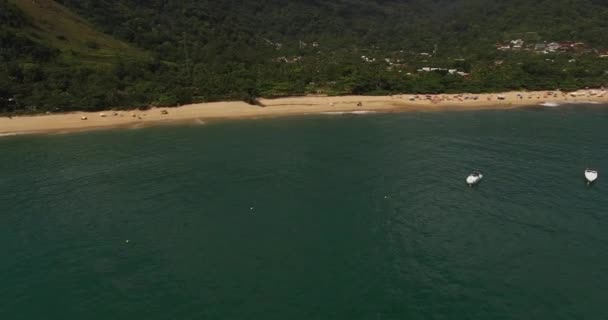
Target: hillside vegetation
94, 54
55, 26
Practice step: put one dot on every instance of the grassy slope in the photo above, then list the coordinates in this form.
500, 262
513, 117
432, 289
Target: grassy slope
56, 26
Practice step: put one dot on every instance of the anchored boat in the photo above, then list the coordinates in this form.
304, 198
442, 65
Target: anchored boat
474, 178
590, 175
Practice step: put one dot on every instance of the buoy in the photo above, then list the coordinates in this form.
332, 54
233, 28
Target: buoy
127, 241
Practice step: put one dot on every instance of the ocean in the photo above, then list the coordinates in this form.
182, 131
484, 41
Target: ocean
361, 216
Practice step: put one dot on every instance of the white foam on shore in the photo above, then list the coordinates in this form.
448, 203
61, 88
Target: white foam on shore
550, 104
334, 113
553, 104
8, 134
586, 102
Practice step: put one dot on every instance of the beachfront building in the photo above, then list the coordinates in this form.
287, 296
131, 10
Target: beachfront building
449, 71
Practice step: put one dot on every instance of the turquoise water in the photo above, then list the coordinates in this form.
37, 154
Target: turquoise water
325, 217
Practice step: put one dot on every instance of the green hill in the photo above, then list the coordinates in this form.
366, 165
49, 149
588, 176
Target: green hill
55, 26
48, 24
92, 54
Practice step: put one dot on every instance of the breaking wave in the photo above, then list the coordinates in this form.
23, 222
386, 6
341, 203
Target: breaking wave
8, 134
557, 104
348, 112
550, 104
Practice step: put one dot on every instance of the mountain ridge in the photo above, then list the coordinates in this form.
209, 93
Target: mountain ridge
130, 53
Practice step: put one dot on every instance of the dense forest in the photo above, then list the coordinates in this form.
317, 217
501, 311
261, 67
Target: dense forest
96, 54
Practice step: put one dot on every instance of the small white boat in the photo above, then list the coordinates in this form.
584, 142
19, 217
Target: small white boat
474, 178
590, 175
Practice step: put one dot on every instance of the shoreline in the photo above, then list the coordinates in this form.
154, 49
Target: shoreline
292, 106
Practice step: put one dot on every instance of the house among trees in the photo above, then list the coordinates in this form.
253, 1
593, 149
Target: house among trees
565, 46
553, 46
444, 70
540, 47
288, 59
517, 44
368, 59
503, 46
579, 47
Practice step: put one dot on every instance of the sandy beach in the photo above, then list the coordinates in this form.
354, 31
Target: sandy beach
309, 105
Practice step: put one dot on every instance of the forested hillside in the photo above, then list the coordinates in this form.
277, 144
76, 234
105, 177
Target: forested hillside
88, 54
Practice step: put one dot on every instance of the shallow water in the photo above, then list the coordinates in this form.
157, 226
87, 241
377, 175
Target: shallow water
323, 217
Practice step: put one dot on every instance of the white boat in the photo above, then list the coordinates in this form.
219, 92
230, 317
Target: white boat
590, 175
474, 178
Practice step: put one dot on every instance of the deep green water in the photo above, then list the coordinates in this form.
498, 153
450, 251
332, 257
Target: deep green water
354, 217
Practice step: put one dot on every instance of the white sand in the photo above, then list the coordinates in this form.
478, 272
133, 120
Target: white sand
199, 113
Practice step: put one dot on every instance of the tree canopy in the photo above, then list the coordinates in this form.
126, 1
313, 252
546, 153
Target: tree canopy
96, 54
